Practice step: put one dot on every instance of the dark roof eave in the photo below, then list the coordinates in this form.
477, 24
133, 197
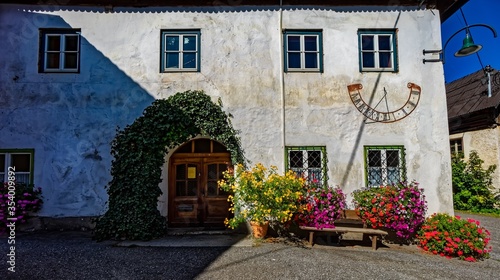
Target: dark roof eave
446, 7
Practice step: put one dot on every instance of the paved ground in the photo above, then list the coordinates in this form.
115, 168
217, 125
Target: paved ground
74, 255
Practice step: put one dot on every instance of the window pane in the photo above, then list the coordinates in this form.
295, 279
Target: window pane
172, 43
70, 61
189, 43
374, 158
314, 159
53, 43
53, 60
374, 176
296, 160
385, 60
310, 43
180, 172
202, 146
212, 188
22, 162
180, 188
293, 43
314, 176
172, 60
368, 60
71, 43
189, 60
367, 42
393, 176
192, 188
392, 158
293, 60
384, 42
311, 60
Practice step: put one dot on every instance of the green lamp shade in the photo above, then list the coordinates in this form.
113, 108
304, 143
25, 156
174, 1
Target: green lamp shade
468, 46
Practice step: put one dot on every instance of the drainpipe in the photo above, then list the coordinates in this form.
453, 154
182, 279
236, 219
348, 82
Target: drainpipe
282, 84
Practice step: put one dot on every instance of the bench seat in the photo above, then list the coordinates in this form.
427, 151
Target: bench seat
373, 233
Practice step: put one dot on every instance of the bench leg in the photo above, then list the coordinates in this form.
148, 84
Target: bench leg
311, 238
374, 242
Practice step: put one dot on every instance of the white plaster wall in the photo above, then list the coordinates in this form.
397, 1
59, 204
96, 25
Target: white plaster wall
70, 119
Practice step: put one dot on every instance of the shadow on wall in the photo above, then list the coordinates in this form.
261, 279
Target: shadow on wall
69, 119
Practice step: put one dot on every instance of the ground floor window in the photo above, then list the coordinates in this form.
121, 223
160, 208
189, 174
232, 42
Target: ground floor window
21, 160
385, 165
456, 147
309, 163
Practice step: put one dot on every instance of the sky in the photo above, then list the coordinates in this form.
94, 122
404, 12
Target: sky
475, 11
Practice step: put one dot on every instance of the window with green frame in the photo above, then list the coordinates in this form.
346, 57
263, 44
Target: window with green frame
21, 160
309, 163
385, 165
180, 50
303, 51
377, 50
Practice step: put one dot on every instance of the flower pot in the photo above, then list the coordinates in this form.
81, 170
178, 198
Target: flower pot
259, 230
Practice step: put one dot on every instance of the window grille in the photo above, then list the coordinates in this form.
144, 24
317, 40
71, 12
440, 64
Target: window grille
309, 163
385, 165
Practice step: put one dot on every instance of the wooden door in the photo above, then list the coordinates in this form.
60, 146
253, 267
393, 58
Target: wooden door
194, 196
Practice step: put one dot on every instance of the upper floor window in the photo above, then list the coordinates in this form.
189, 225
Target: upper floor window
59, 50
180, 50
377, 50
303, 51
385, 165
308, 163
21, 161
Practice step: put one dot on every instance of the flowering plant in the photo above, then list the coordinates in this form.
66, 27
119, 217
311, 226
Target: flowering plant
400, 207
321, 207
261, 194
17, 201
453, 237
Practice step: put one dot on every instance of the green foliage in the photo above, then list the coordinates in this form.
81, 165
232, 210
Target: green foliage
472, 185
139, 151
261, 194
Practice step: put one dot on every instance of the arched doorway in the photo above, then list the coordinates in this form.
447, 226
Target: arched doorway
194, 198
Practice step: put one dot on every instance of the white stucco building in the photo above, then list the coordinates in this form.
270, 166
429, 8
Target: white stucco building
289, 74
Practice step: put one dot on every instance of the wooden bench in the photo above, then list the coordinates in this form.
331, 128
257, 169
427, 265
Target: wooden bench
373, 233
349, 223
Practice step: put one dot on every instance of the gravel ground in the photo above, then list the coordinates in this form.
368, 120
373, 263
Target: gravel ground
74, 255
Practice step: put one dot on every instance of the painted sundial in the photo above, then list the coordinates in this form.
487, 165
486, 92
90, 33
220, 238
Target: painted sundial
387, 105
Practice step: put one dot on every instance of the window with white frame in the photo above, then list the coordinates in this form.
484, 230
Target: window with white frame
21, 161
385, 165
59, 50
180, 50
303, 51
456, 147
308, 163
377, 50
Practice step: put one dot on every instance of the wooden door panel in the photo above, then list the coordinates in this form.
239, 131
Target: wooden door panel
194, 196
183, 207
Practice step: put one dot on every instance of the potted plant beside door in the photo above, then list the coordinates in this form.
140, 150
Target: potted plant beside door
260, 195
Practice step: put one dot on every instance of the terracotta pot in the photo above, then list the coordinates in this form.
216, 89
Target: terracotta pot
259, 230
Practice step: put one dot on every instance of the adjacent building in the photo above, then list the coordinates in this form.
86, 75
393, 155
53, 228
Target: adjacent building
473, 111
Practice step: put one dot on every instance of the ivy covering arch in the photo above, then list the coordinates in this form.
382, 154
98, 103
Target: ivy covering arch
139, 151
